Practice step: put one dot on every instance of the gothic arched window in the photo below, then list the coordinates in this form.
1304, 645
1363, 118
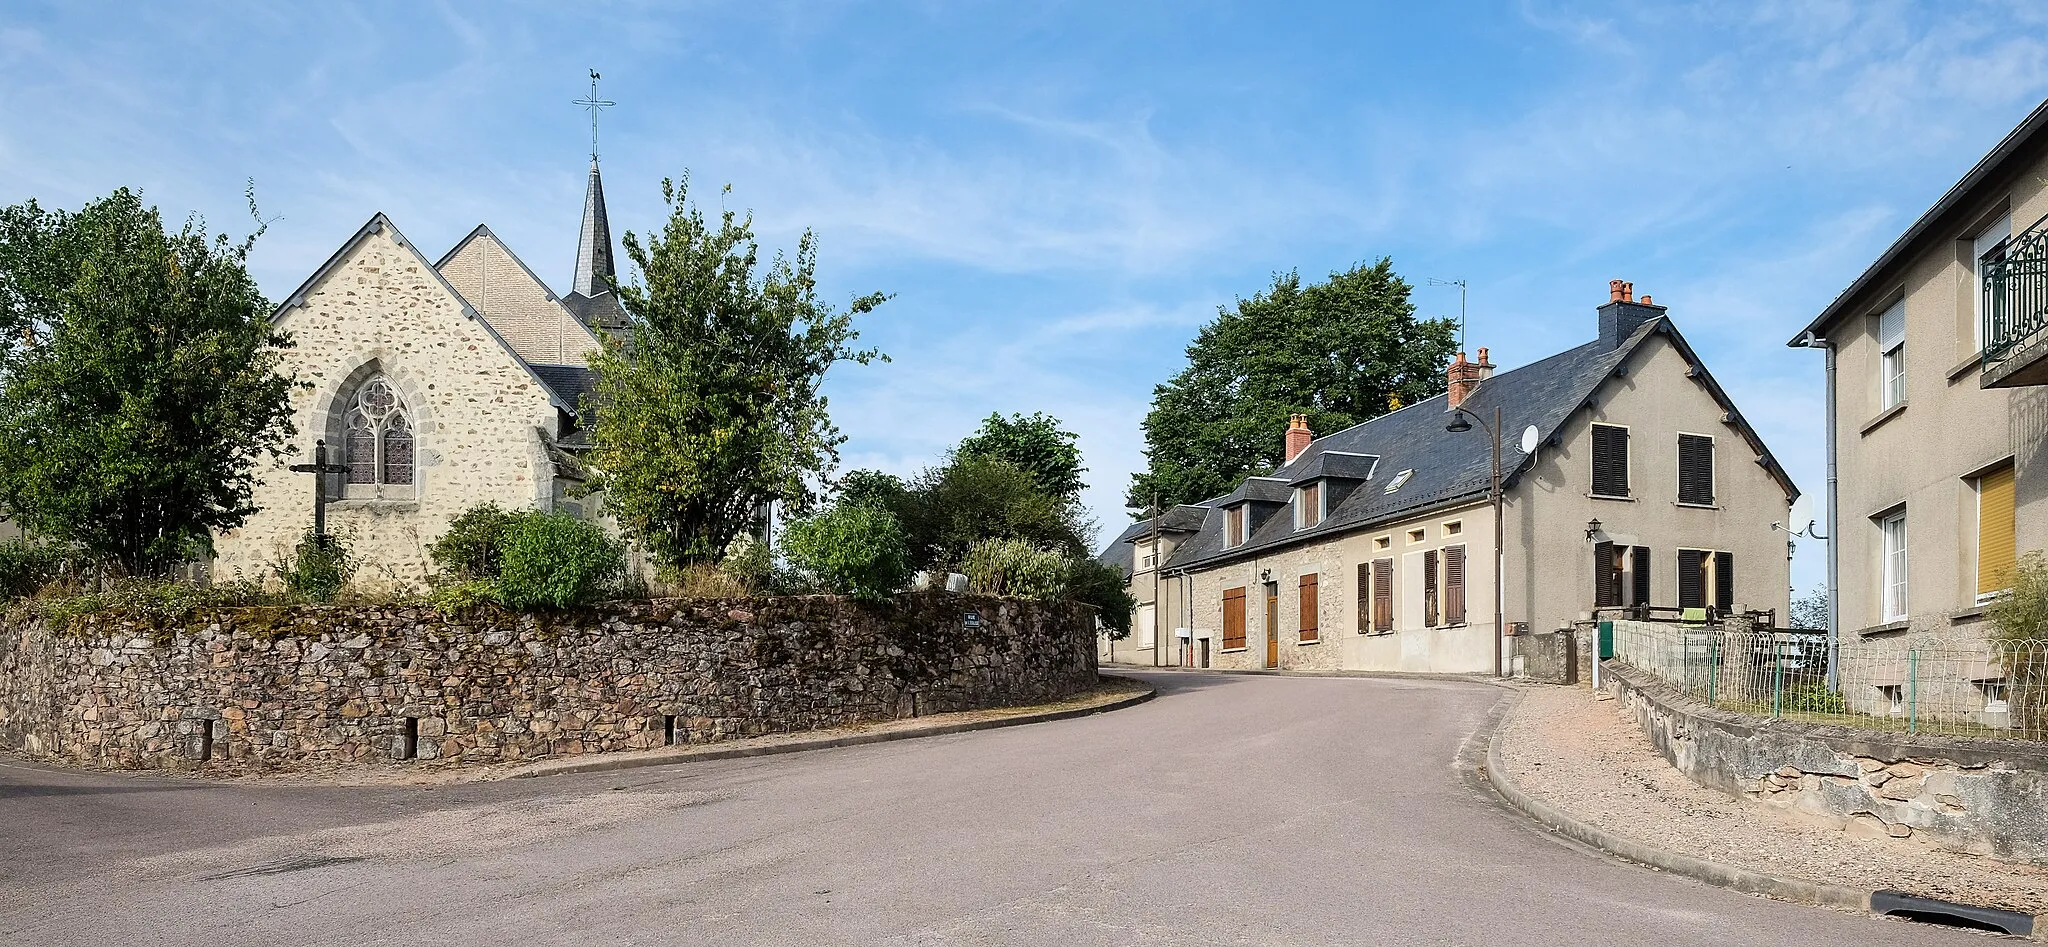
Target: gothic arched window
377, 441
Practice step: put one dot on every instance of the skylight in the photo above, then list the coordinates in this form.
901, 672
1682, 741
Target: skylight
1400, 479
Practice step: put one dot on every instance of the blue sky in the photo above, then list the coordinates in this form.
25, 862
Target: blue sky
1059, 194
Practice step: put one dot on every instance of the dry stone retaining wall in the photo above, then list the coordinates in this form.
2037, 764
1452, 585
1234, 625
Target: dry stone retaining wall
1980, 796
255, 688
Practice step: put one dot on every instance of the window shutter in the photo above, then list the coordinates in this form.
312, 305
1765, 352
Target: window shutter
1997, 541
1603, 576
1383, 595
1695, 469
1233, 618
1454, 585
1724, 580
1311, 607
1429, 588
1364, 596
1692, 585
1641, 567
1311, 511
1891, 327
1610, 460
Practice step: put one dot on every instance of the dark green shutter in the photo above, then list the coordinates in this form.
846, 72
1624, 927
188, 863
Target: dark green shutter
1641, 569
1695, 469
1603, 576
1724, 580
1610, 460
1692, 585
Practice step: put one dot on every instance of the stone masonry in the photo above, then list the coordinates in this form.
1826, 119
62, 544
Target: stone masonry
259, 688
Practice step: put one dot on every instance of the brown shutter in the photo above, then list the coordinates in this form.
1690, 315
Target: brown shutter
1311, 505
1603, 576
1724, 580
1364, 596
1429, 589
1695, 469
1454, 585
1610, 460
1692, 580
1311, 608
1641, 569
1233, 618
1383, 595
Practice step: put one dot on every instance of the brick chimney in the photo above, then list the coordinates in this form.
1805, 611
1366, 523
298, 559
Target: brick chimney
1464, 376
1623, 313
1298, 436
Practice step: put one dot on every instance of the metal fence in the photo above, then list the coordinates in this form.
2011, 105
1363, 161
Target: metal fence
1956, 688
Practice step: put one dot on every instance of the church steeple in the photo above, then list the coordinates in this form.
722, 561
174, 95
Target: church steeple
594, 271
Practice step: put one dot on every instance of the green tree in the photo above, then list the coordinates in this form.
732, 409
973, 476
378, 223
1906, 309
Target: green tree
1342, 351
851, 548
141, 379
1035, 444
710, 408
973, 497
1810, 610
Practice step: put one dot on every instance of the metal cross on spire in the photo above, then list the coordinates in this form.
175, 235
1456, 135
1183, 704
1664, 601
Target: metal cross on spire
593, 105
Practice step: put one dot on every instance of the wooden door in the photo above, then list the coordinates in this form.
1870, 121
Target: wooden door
1272, 624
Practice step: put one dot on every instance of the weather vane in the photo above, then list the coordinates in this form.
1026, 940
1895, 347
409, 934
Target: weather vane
593, 105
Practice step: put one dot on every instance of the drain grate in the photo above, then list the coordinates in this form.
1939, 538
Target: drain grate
1936, 911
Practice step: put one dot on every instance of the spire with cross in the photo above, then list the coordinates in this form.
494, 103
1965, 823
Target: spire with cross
590, 295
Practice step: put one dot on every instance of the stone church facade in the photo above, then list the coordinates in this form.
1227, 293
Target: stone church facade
438, 386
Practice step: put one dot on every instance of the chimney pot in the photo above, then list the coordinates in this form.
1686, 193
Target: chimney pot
1298, 436
1646, 300
1485, 365
1614, 290
1628, 292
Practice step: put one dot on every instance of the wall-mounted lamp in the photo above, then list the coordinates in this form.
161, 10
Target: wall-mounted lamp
1592, 528
1265, 575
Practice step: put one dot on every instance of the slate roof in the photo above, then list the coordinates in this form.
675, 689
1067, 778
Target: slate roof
1332, 464
601, 311
1121, 553
1447, 468
569, 383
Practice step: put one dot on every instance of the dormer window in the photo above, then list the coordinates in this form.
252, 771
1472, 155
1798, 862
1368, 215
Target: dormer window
1233, 527
1308, 505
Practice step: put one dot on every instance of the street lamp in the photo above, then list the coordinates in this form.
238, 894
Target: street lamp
1460, 423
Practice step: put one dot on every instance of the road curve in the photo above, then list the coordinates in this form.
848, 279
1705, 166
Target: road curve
1231, 810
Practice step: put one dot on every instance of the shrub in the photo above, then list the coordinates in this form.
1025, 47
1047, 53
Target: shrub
2019, 631
26, 567
1104, 586
704, 580
1015, 567
463, 596
853, 549
474, 544
317, 571
160, 599
554, 560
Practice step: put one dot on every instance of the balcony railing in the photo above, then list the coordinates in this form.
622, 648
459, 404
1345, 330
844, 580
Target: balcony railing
2016, 313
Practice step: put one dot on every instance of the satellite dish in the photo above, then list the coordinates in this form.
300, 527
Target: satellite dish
1802, 514
1529, 438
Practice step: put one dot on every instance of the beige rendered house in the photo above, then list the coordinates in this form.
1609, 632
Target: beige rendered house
437, 385
1937, 387
1373, 548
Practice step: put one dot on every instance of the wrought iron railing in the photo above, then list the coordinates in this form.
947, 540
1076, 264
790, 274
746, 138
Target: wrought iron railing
2015, 297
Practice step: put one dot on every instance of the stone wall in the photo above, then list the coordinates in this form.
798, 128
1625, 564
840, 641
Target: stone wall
1981, 796
1551, 657
256, 688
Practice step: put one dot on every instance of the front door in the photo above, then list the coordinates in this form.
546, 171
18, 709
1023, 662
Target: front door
1272, 624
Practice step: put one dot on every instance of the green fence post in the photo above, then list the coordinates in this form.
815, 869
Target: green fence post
1777, 679
1913, 691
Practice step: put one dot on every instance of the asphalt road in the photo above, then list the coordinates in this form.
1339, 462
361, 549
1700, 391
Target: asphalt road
1230, 810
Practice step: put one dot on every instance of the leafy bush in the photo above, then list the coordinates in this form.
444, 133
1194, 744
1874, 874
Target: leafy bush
316, 571
474, 544
463, 596
1814, 699
554, 560
26, 567
2019, 630
704, 580
1018, 568
1103, 586
853, 549
161, 599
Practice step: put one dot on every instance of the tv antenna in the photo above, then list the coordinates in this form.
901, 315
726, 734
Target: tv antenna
592, 104
1433, 281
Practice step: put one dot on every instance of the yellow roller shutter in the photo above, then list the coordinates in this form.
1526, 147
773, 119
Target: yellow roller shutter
1997, 549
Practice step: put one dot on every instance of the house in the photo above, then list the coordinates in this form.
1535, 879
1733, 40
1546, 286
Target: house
437, 385
1937, 404
1374, 548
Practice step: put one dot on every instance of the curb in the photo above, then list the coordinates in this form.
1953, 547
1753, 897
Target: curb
1787, 889
824, 743
1797, 890
1473, 678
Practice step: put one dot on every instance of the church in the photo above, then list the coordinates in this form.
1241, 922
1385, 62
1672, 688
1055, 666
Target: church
435, 385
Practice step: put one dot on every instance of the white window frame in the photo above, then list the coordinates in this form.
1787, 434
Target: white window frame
1894, 696
1891, 377
1895, 565
1995, 697
1985, 245
1322, 505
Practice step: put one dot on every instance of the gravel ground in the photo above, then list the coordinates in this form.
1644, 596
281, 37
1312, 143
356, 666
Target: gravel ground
1589, 761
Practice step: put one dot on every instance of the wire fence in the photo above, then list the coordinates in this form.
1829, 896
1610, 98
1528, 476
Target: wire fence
1954, 688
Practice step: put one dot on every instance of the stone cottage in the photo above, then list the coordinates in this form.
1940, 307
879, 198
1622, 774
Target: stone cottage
437, 385
1374, 548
